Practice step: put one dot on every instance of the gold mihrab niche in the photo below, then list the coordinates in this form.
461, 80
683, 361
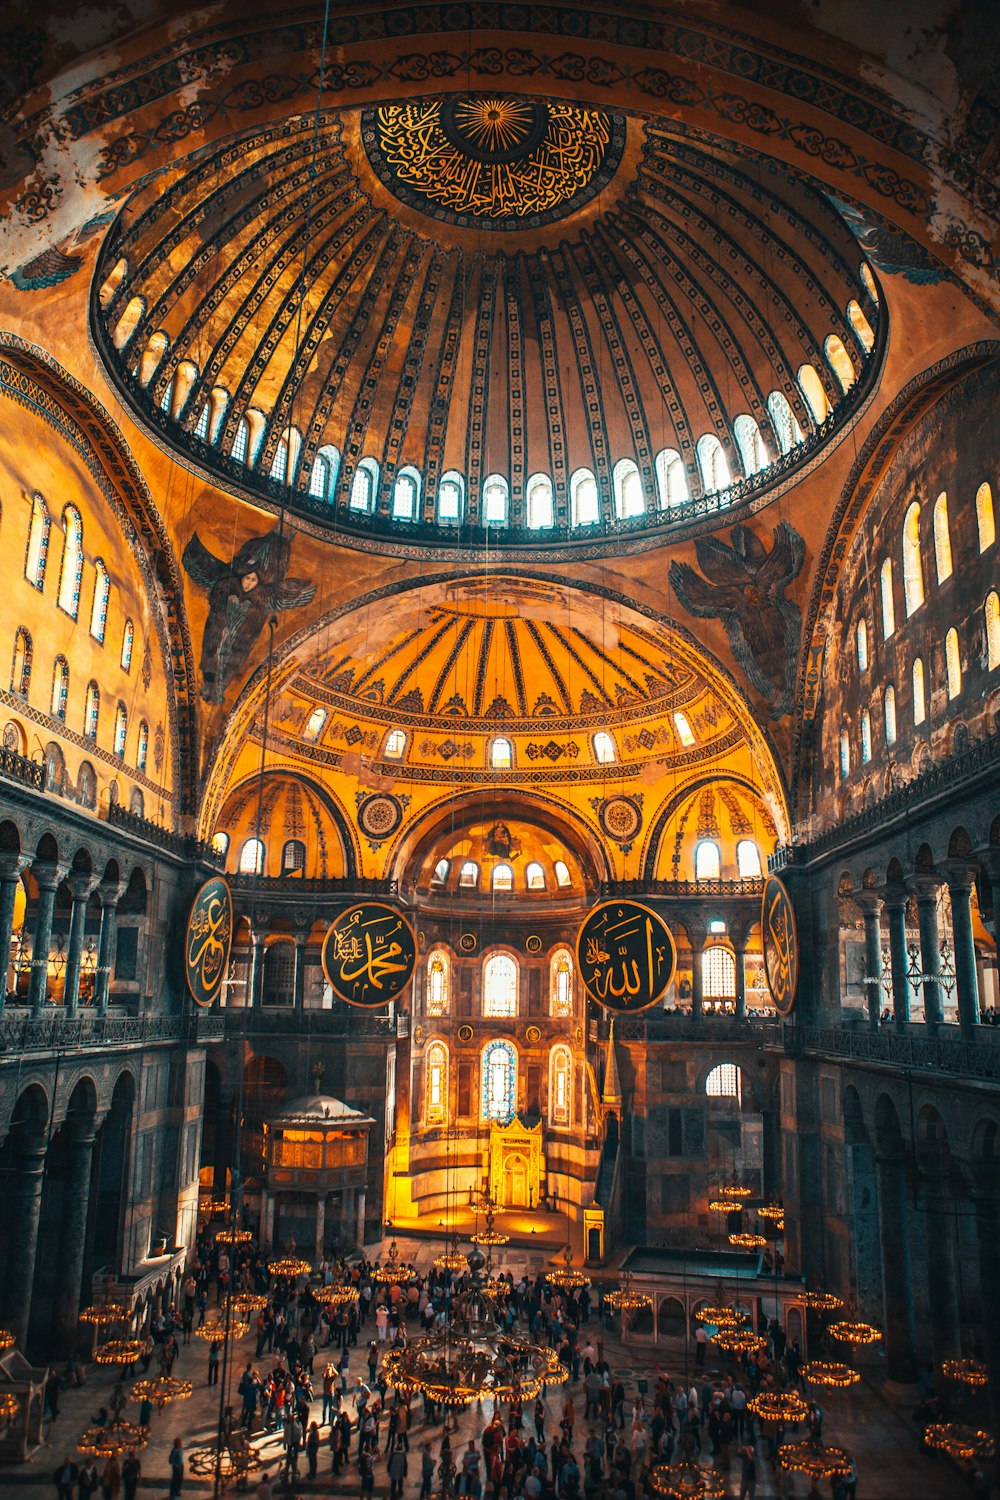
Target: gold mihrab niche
507, 161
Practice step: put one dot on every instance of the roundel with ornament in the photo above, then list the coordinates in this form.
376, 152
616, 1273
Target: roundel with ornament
620, 819
379, 816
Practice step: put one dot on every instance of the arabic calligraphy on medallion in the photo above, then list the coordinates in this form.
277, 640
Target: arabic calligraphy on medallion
781, 944
501, 160
208, 940
626, 956
368, 954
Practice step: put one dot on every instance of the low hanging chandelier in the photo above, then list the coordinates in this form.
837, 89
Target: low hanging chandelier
722, 1316
234, 1237
830, 1373
625, 1300
778, 1408
218, 1329
339, 1296
747, 1241
739, 1341
490, 1235
725, 1206
687, 1480
394, 1270
966, 1444
116, 1437
970, 1372
773, 1211
854, 1333
814, 1460
565, 1277
289, 1268
822, 1301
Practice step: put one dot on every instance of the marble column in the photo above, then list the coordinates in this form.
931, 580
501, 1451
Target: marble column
48, 875
11, 868
942, 1272
871, 906
73, 1235
990, 860
741, 981
895, 908
697, 1002
256, 982
986, 1199
897, 1271
80, 886
360, 1224
22, 1210
926, 890
320, 1225
299, 976
110, 893
960, 875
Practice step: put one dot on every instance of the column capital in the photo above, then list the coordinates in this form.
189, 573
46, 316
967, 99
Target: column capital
870, 902
989, 858
959, 873
894, 895
81, 884
48, 873
12, 865
111, 892
925, 885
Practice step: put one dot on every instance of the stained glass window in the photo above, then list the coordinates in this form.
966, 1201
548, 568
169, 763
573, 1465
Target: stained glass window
560, 1089
121, 729
72, 562
143, 750
60, 687
38, 544
436, 1099
20, 672
561, 984
128, 635
92, 710
99, 612
436, 994
499, 1090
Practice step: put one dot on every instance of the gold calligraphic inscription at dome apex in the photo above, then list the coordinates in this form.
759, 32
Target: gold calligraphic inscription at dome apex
507, 162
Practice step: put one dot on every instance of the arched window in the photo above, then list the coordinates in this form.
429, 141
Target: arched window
913, 572
365, 487
942, 538
585, 506
985, 517
314, 725
919, 695
671, 478
725, 1082
451, 499
279, 463
99, 608
861, 326
142, 749
845, 755
241, 442
563, 877
539, 507
499, 1085
501, 754
284, 465
707, 860
748, 860
888, 603
839, 361
325, 472
293, 857
713, 464
866, 736
496, 500
71, 573
441, 872
167, 396
502, 878
38, 544
406, 495
252, 857
861, 641
500, 985
812, 388
437, 989
121, 729
753, 452
436, 1084
468, 876
128, 635
784, 421
91, 710
889, 713
395, 744
718, 971
201, 426
20, 671
534, 877
60, 688
953, 663
561, 983
86, 785
627, 485
604, 749
220, 844
682, 724
991, 610
560, 1086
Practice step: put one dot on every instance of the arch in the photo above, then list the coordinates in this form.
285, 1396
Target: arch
845, 754
713, 464
501, 753
671, 479
563, 877
60, 688
468, 875
128, 636
942, 538
92, 710
784, 421
839, 361
913, 572
888, 603
500, 985
86, 785
725, 1081
749, 439
252, 857
129, 321
682, 726
985, 517
812, 388
314, 725
278, 972
718, 973
218, 403
325, 472
919, 692
37, 548
436, 1083
285, 463
502, 878
406, 494
121, 729
241, 441
437, 984
561, 1086
498, 1093
395, 744
451, 499
748, 859
953, 663
156, 347
991, 613
99, 607
539, 503
293, 857
71, 571
866, 736
20, 667
205, 416
707, 860
441, 870
561, 983
585, 504
861, 645
112, 282
889, 715
220, 843
605, 750
364, 487
183, 383
142, 745
626, 483
534, 876
863, 331
496, 500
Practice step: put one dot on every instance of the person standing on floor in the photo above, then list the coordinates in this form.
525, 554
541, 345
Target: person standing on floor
176, 1462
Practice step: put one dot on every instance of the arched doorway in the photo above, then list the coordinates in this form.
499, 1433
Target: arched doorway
515, 1182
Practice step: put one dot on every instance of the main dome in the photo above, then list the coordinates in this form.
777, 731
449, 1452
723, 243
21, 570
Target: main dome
487, 317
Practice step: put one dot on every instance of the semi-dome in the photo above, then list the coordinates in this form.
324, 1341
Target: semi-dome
487, 314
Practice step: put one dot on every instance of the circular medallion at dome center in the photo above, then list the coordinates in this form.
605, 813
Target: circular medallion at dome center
503, 161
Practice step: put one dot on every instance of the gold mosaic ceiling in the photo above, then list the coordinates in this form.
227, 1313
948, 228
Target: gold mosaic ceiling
695, 281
